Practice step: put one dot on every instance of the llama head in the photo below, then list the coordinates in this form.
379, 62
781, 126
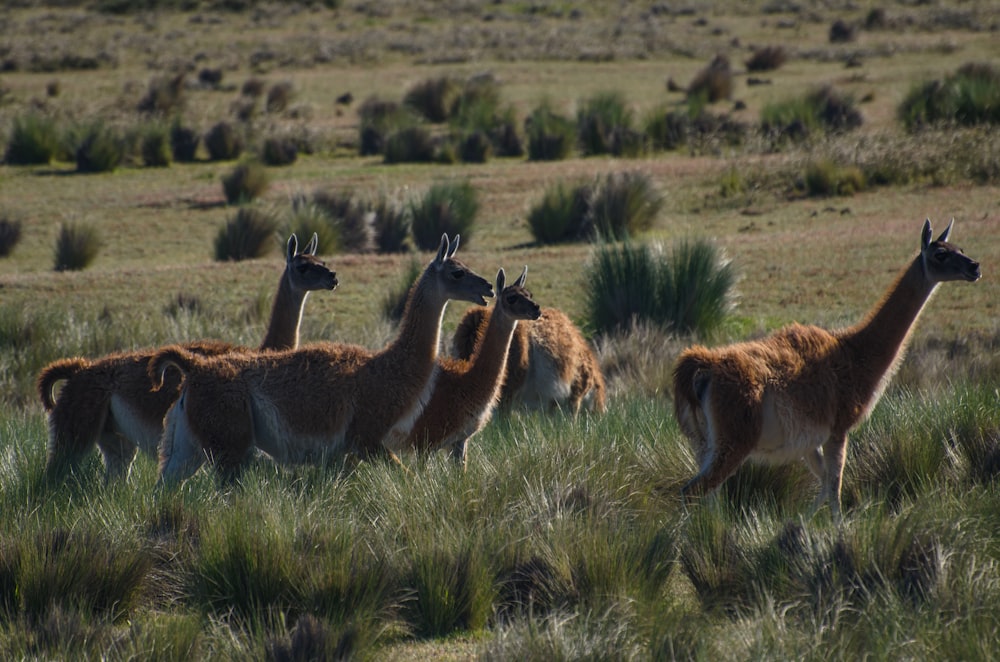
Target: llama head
515, 300
305, 271
944, 261
453, 279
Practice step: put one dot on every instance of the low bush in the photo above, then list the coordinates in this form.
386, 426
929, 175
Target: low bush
279, 151
448, 207
377, 119
183, 142
224, 142
826, 178
247, 235
434, 99
622, 205
247, 181
550, 136
155, 145
77, 246
713, 83
766, 58
33, 140
599, 120
411, 144
100, 149
968, 97
842, 32
10, 234
561, 215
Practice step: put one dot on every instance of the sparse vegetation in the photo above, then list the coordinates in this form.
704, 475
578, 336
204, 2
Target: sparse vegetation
247, 235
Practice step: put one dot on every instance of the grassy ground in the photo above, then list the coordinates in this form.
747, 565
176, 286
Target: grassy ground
572, 497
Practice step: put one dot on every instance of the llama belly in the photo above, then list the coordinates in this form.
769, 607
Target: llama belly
785, 436
274, 436
180, 452
544, 385
136, 428
396, 438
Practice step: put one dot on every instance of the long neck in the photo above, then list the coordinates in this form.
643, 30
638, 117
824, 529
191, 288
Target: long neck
878, 340
490, 355
416, 344
286, 316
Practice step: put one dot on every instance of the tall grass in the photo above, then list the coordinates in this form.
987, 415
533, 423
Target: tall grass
33, 139
77, 246
447, 207
970, 96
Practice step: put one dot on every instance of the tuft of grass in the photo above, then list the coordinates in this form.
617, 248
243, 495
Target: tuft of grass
447, 207
822, 109
410, 144
280, 96
155, 146
77, 246
825, 178
350, 218
245, 182
623, 205
183, 142
391, 225
279, 151
561, 215
691, 291
377, 120
10, 234
434, 99
247, 235
550, 135
308, 218
100, 149
475, 147
601, 121
223, 142
968, 97
33, 140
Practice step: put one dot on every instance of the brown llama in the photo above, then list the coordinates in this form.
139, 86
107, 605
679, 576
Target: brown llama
798, 393
318, 402
550, 364
109, 401
467, 391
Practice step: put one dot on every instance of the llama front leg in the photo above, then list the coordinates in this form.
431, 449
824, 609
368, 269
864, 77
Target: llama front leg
117, 453
834, 454
458, 452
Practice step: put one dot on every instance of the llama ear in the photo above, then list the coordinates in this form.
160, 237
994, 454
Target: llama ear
313, 245
520, 279
947, 231
291, 248
925, 238
501, 279
442, 250
454, 245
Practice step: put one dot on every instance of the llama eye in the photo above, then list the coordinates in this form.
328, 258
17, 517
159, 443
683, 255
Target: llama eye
458, 273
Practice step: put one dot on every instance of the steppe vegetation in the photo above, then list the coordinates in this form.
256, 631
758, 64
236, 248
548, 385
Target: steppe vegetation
788, 185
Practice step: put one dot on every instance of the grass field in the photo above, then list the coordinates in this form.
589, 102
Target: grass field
564, 539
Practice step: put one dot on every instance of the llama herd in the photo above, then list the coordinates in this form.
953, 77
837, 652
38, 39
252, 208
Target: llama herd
795, 394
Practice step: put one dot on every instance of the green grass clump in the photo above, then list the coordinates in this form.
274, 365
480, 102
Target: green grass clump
349, 216
77, 246
561, 215
391, 224
100, 149
623, 204
410, 144
479, 117
279, 96
826, 178
447, 207
183, 142
154, 145
968, 97
34, 140
689, 291
434, 99
279, 151
246, 236
307, 218
551, 136
247, 181
164, 97
10, 234
823, 109
601, 122
223, 142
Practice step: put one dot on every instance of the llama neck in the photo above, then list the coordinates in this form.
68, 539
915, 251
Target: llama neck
879, 340
489, 358
286, 316
416, 344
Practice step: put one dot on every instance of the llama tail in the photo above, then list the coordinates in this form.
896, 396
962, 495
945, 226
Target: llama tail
53, 373
468, 332
173, 356
691, 378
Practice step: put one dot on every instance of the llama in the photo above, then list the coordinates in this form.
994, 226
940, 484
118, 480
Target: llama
321, 401
109, 402
549, 365
467, 391
798, 393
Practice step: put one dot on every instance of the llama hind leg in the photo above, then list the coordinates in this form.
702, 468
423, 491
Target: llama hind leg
459, 452
721, 463
117, 453
835, 454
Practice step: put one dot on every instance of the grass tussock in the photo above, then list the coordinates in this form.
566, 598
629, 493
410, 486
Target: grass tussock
101, 148
968, 97
551, 136
247, 181
77, 246
224, 142
446, 207
10, 234
247, 235
33, 140
604, 125
822, 110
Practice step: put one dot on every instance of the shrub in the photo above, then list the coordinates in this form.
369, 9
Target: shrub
165, 95
767, 58
713, 83
599, 119
412, 144
391, 225
622, 205
155, 145
279, 151
279, 96
247, 181
33, 140
248, 235
350, 218
561, 215
10, 234
968, 97
223, 142
183, 142
448, 207
825, 178
550, 135
434, 99
77, 246
100, 149
691, 291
